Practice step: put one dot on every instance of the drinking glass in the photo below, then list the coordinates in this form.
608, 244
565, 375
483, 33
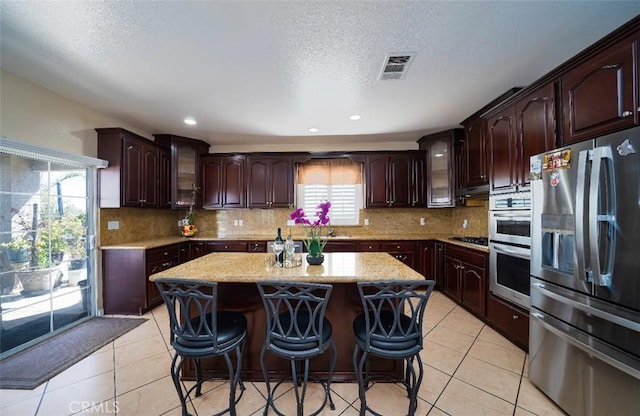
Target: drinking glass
290, 248
278, 248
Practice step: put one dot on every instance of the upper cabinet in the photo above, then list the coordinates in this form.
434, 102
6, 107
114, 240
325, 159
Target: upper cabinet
600, 95
132, 178
223, 181
270, 181
185, 168
524, 128
440, 170
394, 179
475, 155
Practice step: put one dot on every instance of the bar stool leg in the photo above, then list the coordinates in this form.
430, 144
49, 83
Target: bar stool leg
265, 374
198, 377
332, 365
175, 376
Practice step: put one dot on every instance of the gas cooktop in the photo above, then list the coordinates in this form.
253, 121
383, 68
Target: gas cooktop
481, 241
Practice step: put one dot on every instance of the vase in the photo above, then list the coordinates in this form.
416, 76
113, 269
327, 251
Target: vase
315, 260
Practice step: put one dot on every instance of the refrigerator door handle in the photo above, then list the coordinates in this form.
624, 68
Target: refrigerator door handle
583, 158
586, 345
601, 277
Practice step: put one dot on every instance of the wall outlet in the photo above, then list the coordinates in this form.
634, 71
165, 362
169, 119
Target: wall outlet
113, 225
465, 223
366, 221
235, 223
423, 221
241, 223
291, 223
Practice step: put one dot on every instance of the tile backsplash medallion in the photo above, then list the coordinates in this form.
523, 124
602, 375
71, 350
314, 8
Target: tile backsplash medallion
137, 224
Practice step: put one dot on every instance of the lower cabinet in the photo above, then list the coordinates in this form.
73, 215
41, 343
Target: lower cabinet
190, 250
126, 286
509, 320
405, 251
466, 278
426, 259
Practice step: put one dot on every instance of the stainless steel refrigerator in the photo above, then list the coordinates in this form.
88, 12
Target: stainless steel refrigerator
584, 342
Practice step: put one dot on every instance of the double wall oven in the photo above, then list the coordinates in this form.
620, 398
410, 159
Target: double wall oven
510, 246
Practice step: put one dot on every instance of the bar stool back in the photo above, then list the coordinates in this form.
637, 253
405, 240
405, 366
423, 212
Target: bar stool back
205, 333
391, 327
298, 331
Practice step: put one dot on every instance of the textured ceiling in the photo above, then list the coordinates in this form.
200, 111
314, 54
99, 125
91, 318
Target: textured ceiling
265, 72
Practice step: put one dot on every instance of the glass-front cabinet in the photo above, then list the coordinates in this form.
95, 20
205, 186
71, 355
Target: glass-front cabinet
185, 174
440, 175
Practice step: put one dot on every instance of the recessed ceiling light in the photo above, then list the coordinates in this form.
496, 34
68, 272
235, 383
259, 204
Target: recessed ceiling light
439, 155
190, 121
355, 117
313, 130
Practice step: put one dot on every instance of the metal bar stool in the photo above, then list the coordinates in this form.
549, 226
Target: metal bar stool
391, 327
205, 333
298, 331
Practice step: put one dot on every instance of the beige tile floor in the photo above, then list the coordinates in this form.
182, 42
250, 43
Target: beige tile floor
469, 370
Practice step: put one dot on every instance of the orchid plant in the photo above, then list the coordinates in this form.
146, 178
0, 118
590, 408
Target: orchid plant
316, 234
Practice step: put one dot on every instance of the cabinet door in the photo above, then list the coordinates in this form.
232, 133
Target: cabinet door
475, 154
501, 130
186, 158
164, 185
212, 182
426, 259
452, 283
401, 181
377, 179
459, 165
150, 176
281, 183
438, 264
600, 95
440, 172
132, 173
419, 181
509, 320
259, 183
473, 288
234, 184
536, 128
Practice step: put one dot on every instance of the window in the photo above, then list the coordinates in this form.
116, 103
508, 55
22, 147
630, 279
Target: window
335, 180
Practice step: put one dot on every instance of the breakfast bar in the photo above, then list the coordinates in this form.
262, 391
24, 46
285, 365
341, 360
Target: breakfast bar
237, 274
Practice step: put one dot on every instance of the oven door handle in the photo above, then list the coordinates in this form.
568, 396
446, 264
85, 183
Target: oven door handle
516, 252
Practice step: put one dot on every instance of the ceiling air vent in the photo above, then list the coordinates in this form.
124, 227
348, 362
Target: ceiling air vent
396, 65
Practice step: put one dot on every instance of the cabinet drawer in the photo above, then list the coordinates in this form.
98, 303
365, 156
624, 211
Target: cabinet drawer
473, 257
257, 247
396, 246
228, 246
164, 264
512, 322
162, 253
375, 246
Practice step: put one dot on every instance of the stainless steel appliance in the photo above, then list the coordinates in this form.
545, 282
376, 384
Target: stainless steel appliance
509, 247
584, 340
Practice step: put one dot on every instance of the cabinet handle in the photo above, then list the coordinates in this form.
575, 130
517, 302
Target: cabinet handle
626, 113
611, 66
515, 317
167, 264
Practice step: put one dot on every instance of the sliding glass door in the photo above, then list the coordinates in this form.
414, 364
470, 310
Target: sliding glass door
47, 220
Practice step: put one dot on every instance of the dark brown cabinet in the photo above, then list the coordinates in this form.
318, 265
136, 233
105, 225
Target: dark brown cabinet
440, 184
132, 178
394, 179
465, 278
226, 246
164, 185
126, 286
269, 181
405, 251
191, 250
426, 258
521, 130
185, 168
438, 264
475, 154
339, 247
459, 166
223, 183
600, 95
509, 320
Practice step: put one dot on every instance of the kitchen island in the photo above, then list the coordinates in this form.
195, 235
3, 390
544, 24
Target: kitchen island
237, 274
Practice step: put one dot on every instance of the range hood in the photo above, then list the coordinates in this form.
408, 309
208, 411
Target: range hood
473, 192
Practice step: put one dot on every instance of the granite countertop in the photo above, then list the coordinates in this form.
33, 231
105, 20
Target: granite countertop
252, 267
163, 241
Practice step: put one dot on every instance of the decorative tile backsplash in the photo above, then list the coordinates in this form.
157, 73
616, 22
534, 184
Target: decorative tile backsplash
137, 224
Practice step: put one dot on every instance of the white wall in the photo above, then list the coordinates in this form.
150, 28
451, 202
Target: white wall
35, 115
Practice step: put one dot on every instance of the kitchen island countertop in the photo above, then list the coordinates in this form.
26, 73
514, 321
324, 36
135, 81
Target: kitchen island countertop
251, 268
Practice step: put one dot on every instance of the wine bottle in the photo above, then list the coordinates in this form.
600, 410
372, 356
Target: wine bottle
279, 240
